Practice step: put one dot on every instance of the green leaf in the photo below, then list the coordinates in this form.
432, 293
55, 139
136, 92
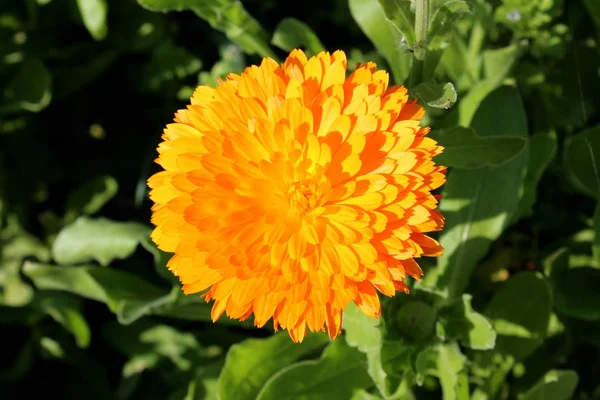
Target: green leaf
252, 363
542, 149
93, 13
383, 34
460, 322
339, 372
89, 198
576, 292
520, 312
497, 63
464, 149
364, 395
582, 161
30, 89
596, 244
470, 103
479, 204
441, 32
120, 291
292, 33
555, 385
168, 67
399, 13
450, 363
22, 364
67, 311
99, 239
436, 95
426, 364
14, 291
228, 16
364, 333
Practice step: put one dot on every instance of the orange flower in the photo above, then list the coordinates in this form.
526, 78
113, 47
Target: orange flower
290, 191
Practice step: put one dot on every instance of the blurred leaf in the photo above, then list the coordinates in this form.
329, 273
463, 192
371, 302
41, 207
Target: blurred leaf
520, 312
93, 13
436, 95
364, 333
66, 310
464, 149
71, 78
90, 197
479, 204
593, 8
125, 294
193, 308
15, 292
542, 149
364, 395
384, 35
498, 62
582, 161
426, 364
454, 61
469, 104
99, 239
30, 89
596, 244
232, 61
340, 370
576, 292
460, 322
228, 16
20, 367
450, 363
555, 385
170, 64
441, 32
261, 359
292, 33
399, 13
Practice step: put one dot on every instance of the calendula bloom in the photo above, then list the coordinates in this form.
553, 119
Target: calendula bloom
291, 190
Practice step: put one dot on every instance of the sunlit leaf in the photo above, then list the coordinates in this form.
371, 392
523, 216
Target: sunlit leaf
261, 359
479, 204
340, 370
520, 313
555, 385
384, 34
228, 16
100, 239
94, 13
400, 14
460, 322
292, 33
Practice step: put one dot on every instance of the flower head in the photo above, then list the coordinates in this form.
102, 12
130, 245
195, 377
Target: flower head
290, 191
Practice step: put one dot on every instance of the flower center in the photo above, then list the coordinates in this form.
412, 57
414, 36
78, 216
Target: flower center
302, 196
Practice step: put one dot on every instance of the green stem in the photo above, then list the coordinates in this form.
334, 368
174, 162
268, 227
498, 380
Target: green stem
421, 28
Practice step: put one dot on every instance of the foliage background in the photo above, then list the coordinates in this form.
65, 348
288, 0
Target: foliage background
87, 308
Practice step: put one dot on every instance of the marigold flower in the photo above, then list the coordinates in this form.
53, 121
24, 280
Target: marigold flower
290, 191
